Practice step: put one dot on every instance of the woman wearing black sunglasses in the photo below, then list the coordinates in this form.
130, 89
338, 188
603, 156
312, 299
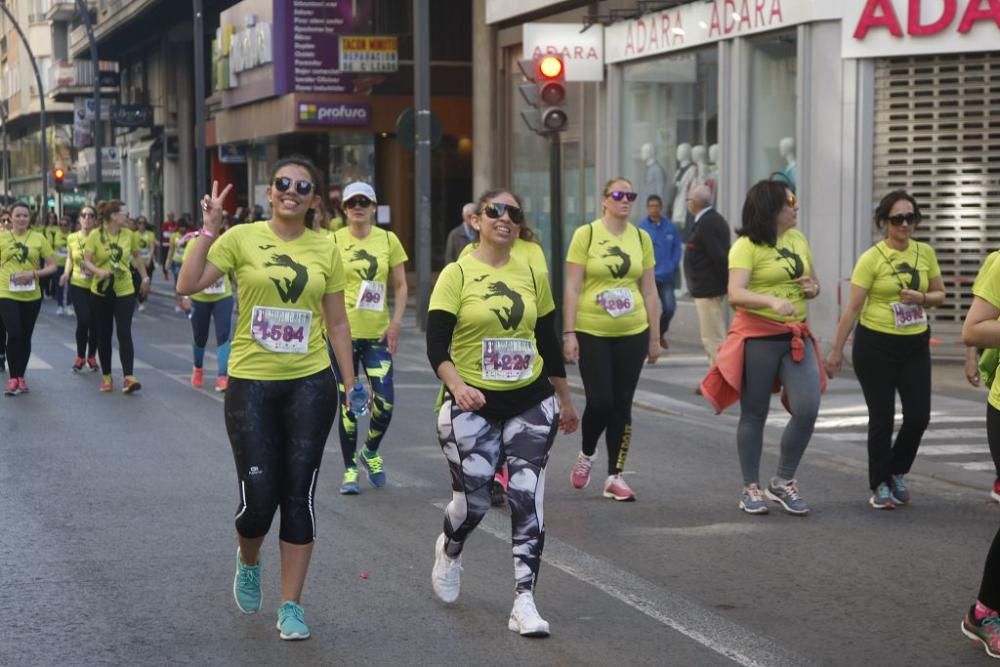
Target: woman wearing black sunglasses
281, 399
893, 283
611, 324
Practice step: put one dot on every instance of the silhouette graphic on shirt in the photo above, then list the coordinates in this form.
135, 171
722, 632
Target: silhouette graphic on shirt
371, 271
289, 289
267, 246
797, 267
116, 253
904, 267
510, 317
618, 270
20, 252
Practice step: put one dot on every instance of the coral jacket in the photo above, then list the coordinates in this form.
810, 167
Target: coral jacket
722, 386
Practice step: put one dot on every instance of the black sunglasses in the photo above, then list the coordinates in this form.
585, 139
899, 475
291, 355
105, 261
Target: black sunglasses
618, 195
495, 210
360, 201
282, 183
911, 218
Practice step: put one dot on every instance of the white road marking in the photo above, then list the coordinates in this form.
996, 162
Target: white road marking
975, 466
844, 422
952, 450
962, 434
36, 363
708, 530
116, 363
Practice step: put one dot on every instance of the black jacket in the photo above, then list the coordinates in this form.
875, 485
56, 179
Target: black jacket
706, 258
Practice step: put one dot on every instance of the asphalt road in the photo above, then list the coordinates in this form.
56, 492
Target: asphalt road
119, 548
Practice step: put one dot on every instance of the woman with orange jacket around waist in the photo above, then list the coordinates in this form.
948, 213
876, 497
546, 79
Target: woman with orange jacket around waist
769, 344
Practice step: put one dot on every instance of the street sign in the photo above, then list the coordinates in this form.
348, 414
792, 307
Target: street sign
359, 53
406, 129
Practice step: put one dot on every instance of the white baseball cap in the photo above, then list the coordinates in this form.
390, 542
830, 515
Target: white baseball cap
358, 188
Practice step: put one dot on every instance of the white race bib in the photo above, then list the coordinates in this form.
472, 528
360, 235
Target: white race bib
371, 296
12, 287
145, 254
63, 252
616, 302
281, 329
908, 315
507, 359
218, 287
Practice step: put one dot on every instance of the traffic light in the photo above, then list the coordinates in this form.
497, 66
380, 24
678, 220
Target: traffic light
545, 92
58, 174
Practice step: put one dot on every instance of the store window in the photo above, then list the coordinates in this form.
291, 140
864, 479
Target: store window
352, 158
773, 104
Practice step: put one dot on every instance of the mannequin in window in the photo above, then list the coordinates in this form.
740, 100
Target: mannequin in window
682, 180
787, 149
712, 180
654, 179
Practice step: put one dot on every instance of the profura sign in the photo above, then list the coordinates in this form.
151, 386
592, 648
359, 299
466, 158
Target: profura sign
874, 28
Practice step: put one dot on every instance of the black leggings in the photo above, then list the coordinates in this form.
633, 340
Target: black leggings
278, 429
989, 589
86, 329
108, 313
886, 364
610, 369
19, 319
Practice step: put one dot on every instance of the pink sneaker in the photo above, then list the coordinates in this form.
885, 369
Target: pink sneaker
580, 476
995, 493
22, 386
615, 487
12, 389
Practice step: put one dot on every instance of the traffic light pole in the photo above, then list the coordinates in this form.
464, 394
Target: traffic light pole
556, 222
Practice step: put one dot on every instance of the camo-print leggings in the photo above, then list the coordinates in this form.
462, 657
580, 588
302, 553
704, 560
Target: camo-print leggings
473, 444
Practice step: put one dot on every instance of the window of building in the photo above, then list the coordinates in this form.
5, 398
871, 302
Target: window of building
773, 105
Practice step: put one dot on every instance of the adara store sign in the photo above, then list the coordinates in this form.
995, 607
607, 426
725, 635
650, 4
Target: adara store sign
874, 28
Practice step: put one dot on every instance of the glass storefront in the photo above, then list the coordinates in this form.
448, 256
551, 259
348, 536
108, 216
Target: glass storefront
670, 128
772, 150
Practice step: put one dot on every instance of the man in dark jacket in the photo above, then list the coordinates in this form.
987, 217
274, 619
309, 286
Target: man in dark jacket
706, 267
461, 236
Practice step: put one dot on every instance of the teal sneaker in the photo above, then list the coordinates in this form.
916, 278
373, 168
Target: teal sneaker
372, 461
349, 485
246, 586
291, 624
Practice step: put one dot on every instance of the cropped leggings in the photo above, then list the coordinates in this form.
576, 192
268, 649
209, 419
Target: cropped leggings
472, 444
764, 361
610, 369
202, 315
277, 430
376, 360
86, 328
110, 313
19, 319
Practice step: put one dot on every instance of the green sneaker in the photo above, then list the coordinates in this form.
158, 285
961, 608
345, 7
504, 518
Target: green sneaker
372, 461
349, 485
246, 586
291, 624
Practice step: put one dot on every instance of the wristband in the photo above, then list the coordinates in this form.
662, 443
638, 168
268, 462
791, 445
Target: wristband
566, 333
205, 232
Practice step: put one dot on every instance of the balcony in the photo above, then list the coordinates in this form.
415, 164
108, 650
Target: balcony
71, 79
112, 15
62, 10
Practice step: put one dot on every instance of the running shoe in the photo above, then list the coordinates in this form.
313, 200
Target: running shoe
60, 311
22, 386
131, 384
106, 383
291, 621
882, 498
615, 487
498, 494
79, 364
373, 464
525, 619
787, 495
753, 501
246, 586
70, 312
446, 577
92, 364
900, 495
349, 485
12, 388
142, 308
985, 631
995, 493
580, 476
222, 383
198, 378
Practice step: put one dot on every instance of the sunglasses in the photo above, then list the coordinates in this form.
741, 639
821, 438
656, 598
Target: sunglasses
791, 200
496, 210
909, 218
619, 195
88, 215
283, 183
358, 202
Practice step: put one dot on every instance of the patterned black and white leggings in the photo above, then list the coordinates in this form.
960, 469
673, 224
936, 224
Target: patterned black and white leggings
473, 444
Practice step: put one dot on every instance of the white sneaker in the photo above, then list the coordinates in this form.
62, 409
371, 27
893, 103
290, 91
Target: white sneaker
446, 577
60, 311
142, 308
70, 311
524, 618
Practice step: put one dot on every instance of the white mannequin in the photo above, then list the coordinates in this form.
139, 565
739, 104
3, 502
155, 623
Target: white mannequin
787, 149
654, 179
700, 156
682, 180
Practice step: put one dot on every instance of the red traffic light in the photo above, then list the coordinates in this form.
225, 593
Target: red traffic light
550, 67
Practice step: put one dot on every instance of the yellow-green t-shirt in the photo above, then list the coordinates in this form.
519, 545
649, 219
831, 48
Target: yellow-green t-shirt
17, 255
611, 302
112, 253
367, 264
774, 270
281, 285
57, 239
179, 243
985, 269
528, 252
145, 243
75, 243
884, 271
493, 345
222, 288
987, 288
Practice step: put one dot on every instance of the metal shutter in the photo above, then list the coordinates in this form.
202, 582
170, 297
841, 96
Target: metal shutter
937, 136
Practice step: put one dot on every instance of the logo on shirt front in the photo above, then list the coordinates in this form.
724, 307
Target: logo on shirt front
904, 267
509, 317
20, 252
116, 252
618, 270
289, 289
369, 272
794, 266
